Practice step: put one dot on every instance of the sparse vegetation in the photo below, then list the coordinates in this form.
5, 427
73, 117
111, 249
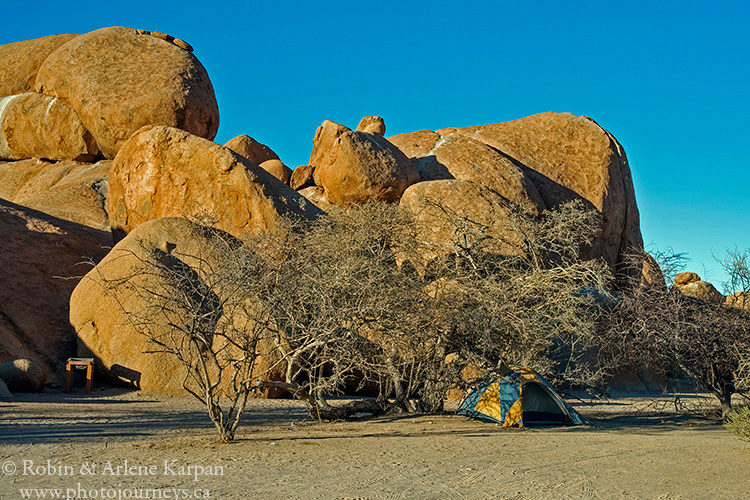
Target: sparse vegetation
738, 421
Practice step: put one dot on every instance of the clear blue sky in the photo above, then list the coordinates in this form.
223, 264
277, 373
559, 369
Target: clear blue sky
669, 79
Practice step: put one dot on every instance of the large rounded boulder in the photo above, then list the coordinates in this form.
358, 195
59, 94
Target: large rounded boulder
354, 167
251, 149
21, 61
167, 172
122, 292
120, 79
42, 259
569, 157
38, 126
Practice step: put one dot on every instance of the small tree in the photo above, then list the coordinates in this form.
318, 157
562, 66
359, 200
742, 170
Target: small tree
197, 307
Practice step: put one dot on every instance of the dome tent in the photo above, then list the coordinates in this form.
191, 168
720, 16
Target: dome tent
519, 397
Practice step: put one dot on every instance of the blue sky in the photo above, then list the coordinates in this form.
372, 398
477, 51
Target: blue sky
669, 79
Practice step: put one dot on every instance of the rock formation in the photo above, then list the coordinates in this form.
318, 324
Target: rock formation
38, 126
164, 171
277, 169
98, 313
251, 149
22, 375
436, 206
568, 157
118, 80
76, 192
301, 177
41, 258
21, 61
353, 167
691, 285
372, 125
455, 156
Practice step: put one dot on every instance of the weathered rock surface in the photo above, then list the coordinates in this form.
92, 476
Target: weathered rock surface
323, 143
317, 196
691, 285
685, 278
455, 156
278, 170
76, 192
372, 125
251, 149
301, 177
97, 312
4, 392
22, 375
437, 205
570, 156
38, 126
20, 62
118, 80
164, 171
41, 258
353, 167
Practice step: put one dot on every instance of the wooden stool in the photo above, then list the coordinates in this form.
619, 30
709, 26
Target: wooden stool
79, 364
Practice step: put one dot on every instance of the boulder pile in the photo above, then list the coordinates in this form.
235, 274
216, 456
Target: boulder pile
110, 134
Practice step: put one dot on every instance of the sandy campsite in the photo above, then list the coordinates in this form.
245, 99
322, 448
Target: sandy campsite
636, 447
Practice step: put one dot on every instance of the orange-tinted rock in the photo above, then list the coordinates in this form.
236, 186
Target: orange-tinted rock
685, 278
301, 177
317, 197
76, 192
100, 318
323, 143
277, 169
38, 126
20, 62
455, 156
445, 209
251, 149
571, 156
167, 172
118, 80
691, 285
372, 125
41, 259
353, 167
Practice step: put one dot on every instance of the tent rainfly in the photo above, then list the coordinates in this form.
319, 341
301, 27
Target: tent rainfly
520, 397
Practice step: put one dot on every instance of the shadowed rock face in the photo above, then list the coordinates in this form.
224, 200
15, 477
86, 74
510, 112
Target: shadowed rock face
20, 62
120, 79
123, 353
167, 172
41, 259
38, 126
72, 191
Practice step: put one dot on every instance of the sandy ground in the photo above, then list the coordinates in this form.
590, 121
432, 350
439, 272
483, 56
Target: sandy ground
636, 448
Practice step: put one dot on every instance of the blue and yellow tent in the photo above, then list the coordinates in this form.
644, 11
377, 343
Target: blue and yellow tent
520, 397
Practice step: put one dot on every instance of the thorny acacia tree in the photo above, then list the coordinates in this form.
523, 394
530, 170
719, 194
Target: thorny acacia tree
344, 303
194, 305
709, 343
344, 309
